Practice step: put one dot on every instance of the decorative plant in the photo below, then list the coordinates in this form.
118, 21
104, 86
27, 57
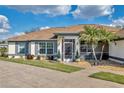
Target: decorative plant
3, 51
77, 55
106, 37
93, 35
58, 55
90, 36
30, 56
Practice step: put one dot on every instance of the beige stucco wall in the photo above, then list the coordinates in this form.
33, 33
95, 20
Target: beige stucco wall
59, 46
77, 45
11, 48
32, 48
116, 50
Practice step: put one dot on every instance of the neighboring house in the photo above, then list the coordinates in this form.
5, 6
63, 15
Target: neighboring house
3, 45
62, 43
116, 49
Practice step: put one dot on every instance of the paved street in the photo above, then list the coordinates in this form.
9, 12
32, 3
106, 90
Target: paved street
20, 75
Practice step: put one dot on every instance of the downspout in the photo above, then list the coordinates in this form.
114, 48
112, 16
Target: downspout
62, 48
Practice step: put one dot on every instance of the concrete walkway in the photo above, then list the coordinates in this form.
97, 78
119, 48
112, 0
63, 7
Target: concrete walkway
20, 75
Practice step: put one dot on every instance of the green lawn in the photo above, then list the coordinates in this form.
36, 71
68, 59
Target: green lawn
109, 77
44, 64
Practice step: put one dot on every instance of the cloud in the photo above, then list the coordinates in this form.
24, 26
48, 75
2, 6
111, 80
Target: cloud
4, 36
19, 33
4, 24
93, 11
118, 22
110, 25
46, 27
53, 10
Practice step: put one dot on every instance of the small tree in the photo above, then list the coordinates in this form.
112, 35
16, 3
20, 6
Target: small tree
90, 36
105, 37
93, 35
3, 51
77, 55
58, 54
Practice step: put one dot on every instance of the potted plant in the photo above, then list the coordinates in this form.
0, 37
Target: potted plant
30, 57
77, 57
58, 56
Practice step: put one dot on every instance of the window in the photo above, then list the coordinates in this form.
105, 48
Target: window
42, 48
84, 47
46, 48
21, 48
49, 48
89, 48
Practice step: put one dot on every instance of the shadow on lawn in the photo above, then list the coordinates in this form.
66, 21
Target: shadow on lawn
106, 63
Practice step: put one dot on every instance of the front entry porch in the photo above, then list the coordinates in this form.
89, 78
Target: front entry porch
71, 49
68, 50
68, 46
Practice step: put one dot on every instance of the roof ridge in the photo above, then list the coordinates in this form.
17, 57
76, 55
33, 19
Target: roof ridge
49, 33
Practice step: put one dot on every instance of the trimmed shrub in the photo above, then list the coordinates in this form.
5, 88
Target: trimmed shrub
30, 56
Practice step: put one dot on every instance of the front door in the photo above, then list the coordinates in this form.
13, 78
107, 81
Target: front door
68, 51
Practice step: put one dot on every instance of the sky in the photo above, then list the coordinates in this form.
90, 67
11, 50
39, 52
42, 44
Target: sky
15, 20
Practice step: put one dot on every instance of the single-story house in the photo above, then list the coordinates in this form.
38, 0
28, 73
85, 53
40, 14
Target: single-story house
62, 43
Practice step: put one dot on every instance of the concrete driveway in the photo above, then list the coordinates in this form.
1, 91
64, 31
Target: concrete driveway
24, 76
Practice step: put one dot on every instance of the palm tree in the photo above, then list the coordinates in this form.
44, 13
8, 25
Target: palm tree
90, 36
105, 37
93, 35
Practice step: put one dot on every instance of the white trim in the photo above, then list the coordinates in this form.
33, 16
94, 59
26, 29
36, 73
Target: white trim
115, 60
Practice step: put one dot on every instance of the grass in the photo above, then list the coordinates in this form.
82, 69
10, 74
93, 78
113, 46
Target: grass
109, 77
44, 64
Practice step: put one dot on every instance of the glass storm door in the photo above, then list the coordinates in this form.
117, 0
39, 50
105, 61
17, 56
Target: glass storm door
68, 51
